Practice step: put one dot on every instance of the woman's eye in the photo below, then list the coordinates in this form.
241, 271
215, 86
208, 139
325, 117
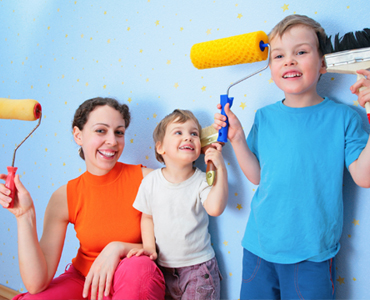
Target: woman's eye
120, 132
100, 130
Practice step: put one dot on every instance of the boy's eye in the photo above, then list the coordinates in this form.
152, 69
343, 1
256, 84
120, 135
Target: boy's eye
178, 132
278, 56
301, 52
194, 133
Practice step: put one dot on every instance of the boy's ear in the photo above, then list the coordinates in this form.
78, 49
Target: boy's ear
323, 66
77, 135
159, 148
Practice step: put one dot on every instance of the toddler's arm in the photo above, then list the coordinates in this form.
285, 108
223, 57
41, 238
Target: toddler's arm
147, 235
217, 198
248, 162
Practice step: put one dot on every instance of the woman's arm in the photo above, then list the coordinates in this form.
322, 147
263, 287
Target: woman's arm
38, 261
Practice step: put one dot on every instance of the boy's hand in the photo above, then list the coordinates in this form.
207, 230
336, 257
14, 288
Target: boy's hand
364, 83
214, 154
138, 252
235, 128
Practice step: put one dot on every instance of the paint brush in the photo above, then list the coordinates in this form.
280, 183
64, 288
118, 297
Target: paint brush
349, 54
208, 136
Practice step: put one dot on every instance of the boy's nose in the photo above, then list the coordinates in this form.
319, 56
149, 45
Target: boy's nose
290, 61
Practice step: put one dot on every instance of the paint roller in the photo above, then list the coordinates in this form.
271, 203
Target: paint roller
22, 109
234, 50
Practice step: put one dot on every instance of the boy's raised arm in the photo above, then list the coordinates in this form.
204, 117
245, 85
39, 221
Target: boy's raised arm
247, 160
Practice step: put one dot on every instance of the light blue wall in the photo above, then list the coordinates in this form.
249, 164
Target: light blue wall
64, 52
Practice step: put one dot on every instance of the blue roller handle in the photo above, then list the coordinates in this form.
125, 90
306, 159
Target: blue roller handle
222, 133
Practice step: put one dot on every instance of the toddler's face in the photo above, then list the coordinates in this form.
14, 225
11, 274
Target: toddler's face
181, 143
295, 61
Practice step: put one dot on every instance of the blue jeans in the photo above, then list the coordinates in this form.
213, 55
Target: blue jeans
303, 280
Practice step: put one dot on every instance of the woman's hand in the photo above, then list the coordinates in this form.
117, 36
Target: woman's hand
100, 276
22, 198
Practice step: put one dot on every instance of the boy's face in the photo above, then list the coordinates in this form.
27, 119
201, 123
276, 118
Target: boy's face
181, 143
295, 61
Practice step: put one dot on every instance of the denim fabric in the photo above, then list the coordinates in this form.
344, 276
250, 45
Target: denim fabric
303, 280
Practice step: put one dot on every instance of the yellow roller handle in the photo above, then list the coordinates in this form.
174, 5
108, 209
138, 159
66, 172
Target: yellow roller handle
239, 49
21, 109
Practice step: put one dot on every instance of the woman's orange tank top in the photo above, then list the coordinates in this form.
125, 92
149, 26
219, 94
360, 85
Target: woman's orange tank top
100, 207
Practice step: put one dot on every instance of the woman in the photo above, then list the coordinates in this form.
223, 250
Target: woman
99, 204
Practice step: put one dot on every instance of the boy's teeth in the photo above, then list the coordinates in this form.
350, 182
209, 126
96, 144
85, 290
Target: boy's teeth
292, 75
186, 147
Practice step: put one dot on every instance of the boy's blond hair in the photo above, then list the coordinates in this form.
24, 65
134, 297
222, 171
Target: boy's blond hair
177, 116
301, 20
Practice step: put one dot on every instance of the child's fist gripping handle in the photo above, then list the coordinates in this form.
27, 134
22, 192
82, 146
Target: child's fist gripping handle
9, 183
222, 134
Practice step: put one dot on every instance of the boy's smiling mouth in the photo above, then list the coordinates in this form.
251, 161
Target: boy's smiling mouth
292, 75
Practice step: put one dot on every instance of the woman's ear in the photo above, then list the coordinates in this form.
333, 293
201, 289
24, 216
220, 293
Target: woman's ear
77, 135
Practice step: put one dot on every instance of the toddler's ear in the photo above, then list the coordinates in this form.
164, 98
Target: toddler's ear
159, 148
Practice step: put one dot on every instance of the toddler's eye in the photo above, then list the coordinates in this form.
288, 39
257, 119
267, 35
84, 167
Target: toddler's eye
194, 133
301, 52
178, 132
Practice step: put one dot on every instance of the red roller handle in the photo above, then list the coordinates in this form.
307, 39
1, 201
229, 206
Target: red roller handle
9, 183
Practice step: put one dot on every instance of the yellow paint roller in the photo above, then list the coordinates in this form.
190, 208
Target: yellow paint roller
239, 49
22, 109
234, 50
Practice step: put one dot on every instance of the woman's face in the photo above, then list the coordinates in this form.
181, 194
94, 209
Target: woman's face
102, 139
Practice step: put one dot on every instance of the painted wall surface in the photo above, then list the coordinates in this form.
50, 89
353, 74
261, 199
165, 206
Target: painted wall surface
64, 52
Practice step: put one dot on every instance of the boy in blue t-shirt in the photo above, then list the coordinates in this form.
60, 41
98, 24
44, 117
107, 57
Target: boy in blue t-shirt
296, 152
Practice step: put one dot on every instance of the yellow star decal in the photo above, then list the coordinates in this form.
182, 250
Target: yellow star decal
154, 116
355, 103
129, 100
104, 86
131, 141
147, 157
230, 274
181, 28
243, 105
128, 28
225, 243
356, 222
203, 88
340, 280
239, 206
285, 7
156, 23
176, 85
168, 61
147, 80
208, 31
239, 16
141, 50
270, 80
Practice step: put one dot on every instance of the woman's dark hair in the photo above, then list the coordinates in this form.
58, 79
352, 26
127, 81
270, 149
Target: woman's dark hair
83, 111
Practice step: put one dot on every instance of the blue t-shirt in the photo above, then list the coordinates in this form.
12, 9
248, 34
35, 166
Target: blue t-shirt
297, 210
